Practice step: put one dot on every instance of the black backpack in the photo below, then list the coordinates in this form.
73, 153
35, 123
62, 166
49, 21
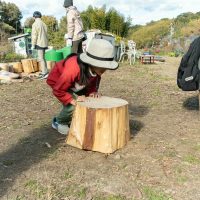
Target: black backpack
188, 77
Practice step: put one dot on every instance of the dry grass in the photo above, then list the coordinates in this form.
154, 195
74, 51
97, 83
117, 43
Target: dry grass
160, 162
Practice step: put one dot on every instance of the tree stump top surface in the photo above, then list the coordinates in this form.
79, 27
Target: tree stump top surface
103, 102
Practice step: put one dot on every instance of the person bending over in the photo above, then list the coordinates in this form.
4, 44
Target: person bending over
77, 77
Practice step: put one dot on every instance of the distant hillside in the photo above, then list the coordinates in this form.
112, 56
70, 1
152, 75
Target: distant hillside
150, 34
154, 33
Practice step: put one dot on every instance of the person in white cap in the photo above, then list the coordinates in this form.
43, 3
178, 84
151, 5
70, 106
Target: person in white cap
75, 34
39, 40
77, 77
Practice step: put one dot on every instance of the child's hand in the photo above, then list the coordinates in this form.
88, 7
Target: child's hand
95, 95
81, 98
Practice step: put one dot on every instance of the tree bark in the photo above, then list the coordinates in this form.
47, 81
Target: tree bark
29, 65
100, 124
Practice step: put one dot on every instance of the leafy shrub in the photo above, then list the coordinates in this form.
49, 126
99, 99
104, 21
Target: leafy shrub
172, 54
176, 53
11, 57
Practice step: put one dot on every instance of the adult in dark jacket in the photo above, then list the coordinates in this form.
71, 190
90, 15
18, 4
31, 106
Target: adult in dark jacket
188, 72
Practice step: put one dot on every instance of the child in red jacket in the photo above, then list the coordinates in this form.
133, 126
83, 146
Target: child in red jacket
79, 76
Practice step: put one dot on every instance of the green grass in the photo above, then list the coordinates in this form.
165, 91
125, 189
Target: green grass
67, 175
140, 74
81, 194
170, 153
154, 76
152, 194
75, 191
25, 141
157, 92
18, 198
112, 197
8, 162
191, 159
181, 179
197, 147
37, 189
180, 175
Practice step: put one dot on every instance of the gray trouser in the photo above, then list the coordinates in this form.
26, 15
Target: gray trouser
77, 46
42, 60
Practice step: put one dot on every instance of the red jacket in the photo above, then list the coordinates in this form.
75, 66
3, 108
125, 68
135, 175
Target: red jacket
64, 76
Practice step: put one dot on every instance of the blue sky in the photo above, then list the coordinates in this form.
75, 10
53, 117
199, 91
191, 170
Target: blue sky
141, 11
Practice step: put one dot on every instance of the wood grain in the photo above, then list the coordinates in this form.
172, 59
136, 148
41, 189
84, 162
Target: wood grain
100, 125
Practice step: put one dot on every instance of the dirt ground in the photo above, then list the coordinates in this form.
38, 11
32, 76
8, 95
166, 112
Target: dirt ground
160, 162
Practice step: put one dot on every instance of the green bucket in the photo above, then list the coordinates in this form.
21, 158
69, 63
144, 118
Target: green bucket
65, 51
53, 55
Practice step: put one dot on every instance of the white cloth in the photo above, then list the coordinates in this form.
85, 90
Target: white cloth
66, 36
69, 42
77, 87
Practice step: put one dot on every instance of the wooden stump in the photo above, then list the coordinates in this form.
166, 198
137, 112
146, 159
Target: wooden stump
35, 65
28, 65
100, 124
17, 67
50, 65
39, 66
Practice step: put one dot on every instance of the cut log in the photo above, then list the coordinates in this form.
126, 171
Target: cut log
11, 69
28, 65
35, 65
39, 66
50, 65
17, 67
100, 124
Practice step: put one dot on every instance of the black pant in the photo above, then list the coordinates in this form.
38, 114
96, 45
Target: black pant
77, 46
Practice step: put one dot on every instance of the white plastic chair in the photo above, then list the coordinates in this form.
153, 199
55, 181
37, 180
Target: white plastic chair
130, 53
123, 52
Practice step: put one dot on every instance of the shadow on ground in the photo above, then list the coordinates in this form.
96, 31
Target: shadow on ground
34, 148
135, 126
137, 111
191, 103
27, 152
